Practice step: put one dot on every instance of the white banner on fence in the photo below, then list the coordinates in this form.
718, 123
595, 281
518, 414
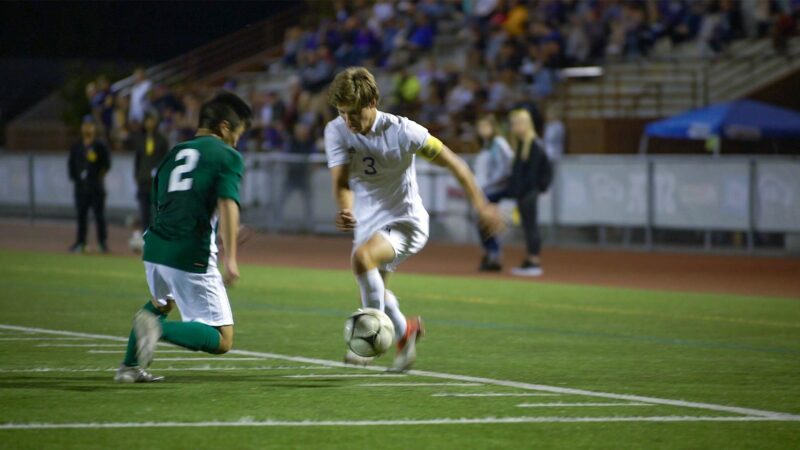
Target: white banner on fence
778, 196
711, 194
608, 193
14, 180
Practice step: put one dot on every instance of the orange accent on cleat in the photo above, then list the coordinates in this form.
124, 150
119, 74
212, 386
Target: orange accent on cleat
414, 326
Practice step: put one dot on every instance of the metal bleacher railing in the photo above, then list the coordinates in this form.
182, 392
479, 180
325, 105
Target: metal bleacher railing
659, 87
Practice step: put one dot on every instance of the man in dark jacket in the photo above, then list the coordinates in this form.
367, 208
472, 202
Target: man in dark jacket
150, 146
299, 170
89, 161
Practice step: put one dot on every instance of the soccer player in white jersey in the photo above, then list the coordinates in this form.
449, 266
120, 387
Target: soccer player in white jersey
371, 156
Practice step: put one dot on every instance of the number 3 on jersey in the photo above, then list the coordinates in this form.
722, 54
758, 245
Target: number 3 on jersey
177, 182
369, 162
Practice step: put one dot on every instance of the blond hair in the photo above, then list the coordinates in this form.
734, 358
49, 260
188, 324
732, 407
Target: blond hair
354, 87
530, 133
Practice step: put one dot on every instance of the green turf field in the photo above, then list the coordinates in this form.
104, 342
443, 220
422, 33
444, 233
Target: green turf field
505, 365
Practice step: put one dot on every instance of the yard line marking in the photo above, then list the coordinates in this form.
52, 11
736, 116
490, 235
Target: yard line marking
371, 423
218, 358
347, 375
81, 345
45, 339
465, 378
568, 405
164, 369
493, 394
417, 384
120, 352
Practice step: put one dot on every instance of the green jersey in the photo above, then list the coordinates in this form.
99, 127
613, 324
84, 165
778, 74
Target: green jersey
190, 180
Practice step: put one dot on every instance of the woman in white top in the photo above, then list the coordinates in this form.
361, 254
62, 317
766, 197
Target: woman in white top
492, 172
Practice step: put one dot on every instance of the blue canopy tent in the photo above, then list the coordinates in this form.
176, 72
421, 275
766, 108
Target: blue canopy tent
737, 120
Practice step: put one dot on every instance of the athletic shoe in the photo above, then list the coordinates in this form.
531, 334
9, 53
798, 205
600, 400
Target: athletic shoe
104, 248
77, 248
351, 358
528, 269
127, 374
490, 265
407, 347
148, 331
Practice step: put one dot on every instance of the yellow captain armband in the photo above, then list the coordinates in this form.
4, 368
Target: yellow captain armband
431, 149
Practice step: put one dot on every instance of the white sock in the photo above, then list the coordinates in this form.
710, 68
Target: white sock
393, 311
372, 289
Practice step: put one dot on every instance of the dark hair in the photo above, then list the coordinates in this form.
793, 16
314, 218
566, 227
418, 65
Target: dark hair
225, 107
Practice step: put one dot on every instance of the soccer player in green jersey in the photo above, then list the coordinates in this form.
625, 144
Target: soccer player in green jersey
195, 189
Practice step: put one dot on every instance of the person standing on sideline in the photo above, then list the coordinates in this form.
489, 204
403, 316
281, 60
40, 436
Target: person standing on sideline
301, 145
89, 161
149, 146
531, 175
492, 172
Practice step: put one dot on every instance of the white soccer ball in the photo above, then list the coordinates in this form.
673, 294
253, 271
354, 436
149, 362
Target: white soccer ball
368, 332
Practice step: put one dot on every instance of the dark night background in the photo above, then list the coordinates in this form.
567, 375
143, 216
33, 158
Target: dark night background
40, 41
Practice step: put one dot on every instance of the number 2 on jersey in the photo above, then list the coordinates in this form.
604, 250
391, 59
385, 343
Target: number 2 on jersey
369, 161
177, 182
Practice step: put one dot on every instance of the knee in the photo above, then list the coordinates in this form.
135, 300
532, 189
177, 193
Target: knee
225, 345
362, 260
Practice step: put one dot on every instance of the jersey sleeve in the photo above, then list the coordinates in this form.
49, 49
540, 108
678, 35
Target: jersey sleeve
335, 147
419, 141
230, 177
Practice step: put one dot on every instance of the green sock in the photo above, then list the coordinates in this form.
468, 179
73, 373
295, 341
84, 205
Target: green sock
192, 335
130, 352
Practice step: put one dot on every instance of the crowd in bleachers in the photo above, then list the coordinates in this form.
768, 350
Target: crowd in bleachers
515, 51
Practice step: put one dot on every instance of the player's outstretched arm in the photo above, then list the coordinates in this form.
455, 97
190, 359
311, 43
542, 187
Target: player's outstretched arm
489, 218
229, 229
345, 220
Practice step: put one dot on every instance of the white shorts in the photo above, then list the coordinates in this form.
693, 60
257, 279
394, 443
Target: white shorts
407, 238
201, 297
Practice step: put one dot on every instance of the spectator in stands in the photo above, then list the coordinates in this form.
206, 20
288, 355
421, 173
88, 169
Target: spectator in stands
405, 92
531, 174
88, 163
299, 146
492, 172
149, 146
138, 101
516, 18
102, 104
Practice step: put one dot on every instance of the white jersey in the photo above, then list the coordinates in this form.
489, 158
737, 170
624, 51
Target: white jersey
382, 172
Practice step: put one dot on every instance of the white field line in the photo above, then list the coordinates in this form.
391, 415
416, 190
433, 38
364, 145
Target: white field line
208, 368
578, 404
347, 375
158, 352
45, 339
418, 384
465, 378
83, 345
372, 423
218, 359
493, 394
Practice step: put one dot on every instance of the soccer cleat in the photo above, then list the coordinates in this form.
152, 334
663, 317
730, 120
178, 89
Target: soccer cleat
351, 358
77, 248
148, 331
407, 346
127, 374
528, 269
104, 248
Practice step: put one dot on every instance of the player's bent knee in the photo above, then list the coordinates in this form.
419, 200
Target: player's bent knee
225, 340
362, 259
